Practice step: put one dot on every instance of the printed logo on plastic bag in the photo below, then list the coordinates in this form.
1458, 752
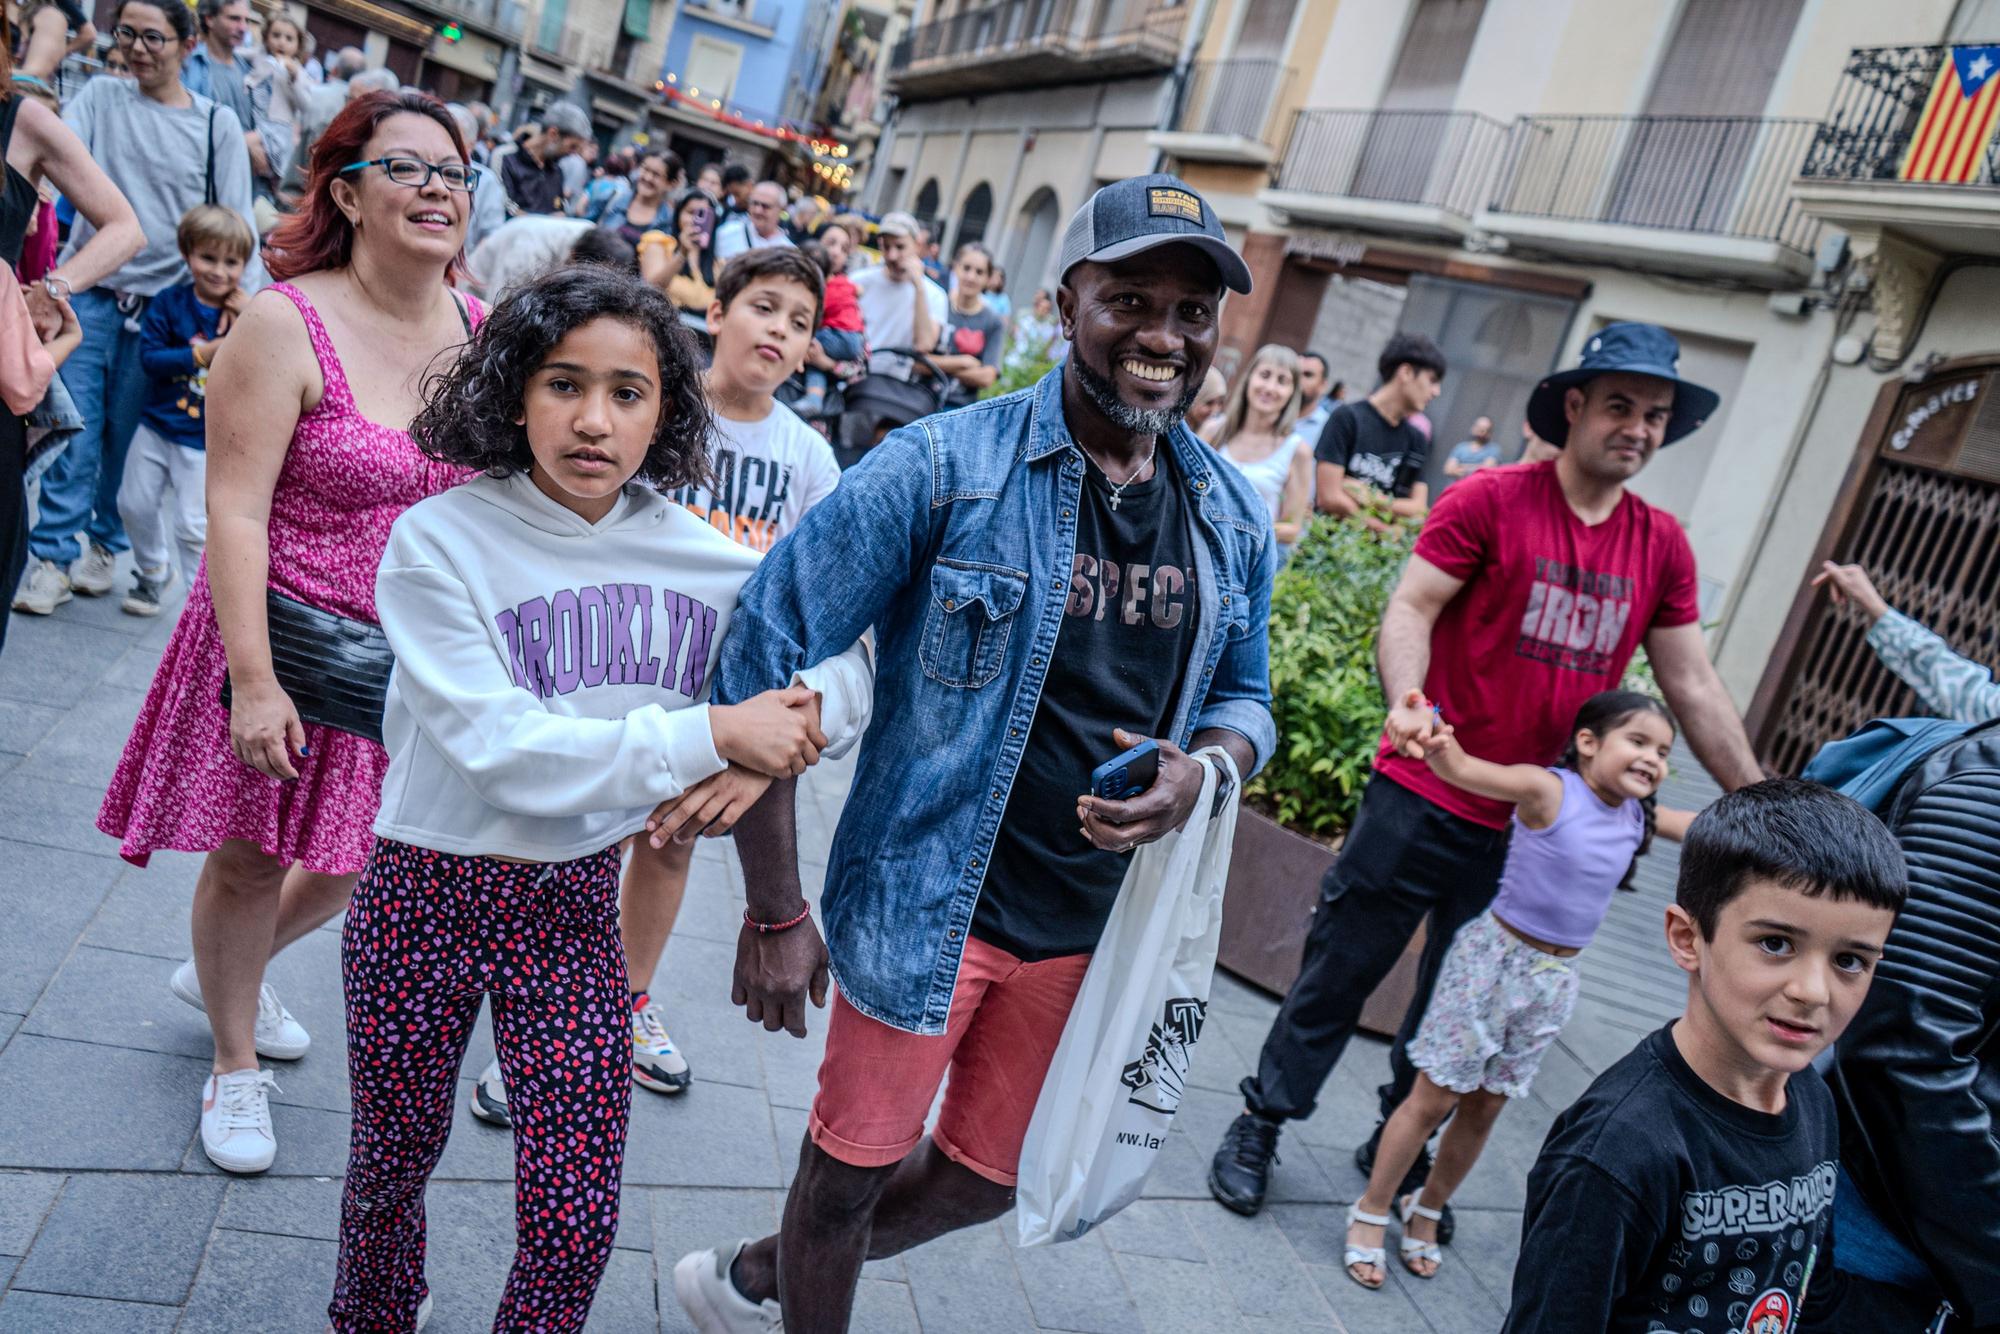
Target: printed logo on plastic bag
1159, 1077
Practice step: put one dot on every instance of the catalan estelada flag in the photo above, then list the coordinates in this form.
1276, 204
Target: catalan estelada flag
1949, 147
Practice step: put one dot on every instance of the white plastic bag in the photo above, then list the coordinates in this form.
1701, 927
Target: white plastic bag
1120, 1068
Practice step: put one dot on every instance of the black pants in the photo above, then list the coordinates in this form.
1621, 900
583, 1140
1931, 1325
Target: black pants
13, 510
1404, 859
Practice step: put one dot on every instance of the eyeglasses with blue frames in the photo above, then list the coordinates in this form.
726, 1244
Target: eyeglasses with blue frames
417, 173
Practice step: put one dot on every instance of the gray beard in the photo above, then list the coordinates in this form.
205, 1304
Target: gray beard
1103, 396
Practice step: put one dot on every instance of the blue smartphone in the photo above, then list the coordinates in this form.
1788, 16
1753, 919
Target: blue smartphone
1127, 775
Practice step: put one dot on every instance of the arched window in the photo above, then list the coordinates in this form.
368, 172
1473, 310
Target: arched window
926, 207
1035, 233
973, 215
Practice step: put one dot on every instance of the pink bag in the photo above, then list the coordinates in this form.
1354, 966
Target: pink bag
25, 366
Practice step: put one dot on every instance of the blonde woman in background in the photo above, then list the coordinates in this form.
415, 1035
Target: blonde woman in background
1254, 432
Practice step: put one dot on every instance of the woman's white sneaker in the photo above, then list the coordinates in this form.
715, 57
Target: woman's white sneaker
656, 1063
707, 1294
279, 1036
236, 1120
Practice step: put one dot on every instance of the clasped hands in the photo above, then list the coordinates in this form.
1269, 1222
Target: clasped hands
769, 736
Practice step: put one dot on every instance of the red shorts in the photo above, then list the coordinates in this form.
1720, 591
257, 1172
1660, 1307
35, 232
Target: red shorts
877, 1083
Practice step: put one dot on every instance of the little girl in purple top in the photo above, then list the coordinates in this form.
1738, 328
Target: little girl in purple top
1509, 981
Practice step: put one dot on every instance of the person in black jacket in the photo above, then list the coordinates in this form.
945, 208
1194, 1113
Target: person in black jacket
1917, 1082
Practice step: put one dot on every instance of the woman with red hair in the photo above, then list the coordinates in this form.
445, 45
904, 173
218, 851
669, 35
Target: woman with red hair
310, 460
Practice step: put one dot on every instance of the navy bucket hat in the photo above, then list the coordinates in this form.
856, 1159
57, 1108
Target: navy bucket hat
1634, 349
1141, 213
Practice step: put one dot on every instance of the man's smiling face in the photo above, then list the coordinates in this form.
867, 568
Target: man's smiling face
1143, 331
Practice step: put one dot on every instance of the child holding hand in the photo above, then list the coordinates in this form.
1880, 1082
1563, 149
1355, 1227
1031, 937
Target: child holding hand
556, 622
1509, 982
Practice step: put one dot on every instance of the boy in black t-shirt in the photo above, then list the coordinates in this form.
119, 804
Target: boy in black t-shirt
1370, 451
1691, 1186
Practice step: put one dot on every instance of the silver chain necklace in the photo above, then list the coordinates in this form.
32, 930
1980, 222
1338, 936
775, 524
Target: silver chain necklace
1118, 488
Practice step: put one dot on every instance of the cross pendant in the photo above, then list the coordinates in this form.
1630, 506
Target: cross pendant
1114, 501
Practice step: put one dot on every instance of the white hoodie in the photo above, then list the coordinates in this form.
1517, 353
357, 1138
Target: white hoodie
551, 673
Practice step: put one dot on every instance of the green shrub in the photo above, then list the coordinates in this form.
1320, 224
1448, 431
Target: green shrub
1018, 374
1325, 695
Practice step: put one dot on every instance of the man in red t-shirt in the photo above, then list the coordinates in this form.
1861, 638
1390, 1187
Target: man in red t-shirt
1530, 588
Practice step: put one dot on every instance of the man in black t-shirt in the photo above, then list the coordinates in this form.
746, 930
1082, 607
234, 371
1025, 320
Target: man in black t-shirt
1369, 452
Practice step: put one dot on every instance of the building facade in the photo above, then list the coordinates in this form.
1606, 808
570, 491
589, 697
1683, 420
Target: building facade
1008, 115
1508, 176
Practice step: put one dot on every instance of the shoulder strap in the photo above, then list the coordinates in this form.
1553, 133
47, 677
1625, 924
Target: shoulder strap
7, 121
464, 313
208, 184
337, 396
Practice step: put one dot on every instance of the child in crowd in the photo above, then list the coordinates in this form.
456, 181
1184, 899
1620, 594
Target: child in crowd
837, 345
769, 469
556, 623
1691, 1186
1509, 981
183, 329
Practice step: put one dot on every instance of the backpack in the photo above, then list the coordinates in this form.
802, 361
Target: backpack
1870, 762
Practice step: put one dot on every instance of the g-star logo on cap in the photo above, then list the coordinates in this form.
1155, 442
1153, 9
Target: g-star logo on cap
1165, 202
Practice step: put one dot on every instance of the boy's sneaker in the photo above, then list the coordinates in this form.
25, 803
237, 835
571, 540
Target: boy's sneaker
236, 1120
709, 1295
91, 575
44, 589
489, 1096
147, 591
656, 1063
1240, 1173
279, 1036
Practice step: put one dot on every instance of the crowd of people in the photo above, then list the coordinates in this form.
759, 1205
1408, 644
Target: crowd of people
510, 573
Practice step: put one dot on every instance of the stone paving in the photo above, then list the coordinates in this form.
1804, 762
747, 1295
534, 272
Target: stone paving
113, 1222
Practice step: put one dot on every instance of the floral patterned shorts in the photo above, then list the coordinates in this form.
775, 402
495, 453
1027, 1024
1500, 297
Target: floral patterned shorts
1498, 1004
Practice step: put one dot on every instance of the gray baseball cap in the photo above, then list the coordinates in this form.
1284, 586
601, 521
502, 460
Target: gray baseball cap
568, 118
1132, 216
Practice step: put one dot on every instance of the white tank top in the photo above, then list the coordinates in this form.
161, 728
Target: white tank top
1268, 474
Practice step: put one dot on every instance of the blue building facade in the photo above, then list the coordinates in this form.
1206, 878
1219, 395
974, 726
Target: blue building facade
737, 69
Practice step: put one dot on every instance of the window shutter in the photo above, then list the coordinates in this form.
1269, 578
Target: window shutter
638, 19
1434, 55
1724, 58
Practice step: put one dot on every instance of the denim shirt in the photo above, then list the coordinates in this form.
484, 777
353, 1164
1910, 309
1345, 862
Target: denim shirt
954, 539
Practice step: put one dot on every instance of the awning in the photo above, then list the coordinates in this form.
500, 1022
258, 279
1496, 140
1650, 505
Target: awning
638, 18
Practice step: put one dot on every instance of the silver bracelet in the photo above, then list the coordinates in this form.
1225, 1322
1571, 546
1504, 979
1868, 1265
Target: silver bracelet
49, 282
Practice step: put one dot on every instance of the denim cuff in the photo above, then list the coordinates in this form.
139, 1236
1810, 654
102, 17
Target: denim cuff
1247, 718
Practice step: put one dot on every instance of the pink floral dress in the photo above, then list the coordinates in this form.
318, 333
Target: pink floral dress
179, 785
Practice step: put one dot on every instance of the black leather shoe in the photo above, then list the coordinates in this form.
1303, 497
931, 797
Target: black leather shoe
1413, 1180
1241, 1170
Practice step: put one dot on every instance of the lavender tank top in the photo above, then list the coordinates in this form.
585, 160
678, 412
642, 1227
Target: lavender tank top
1558, 882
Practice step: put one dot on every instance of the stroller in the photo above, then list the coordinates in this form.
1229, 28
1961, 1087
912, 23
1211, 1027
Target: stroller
857, 415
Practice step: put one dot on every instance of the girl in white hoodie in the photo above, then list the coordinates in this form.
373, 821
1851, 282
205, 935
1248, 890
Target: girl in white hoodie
556, 622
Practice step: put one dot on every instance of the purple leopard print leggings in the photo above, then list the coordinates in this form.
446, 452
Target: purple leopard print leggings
428, 937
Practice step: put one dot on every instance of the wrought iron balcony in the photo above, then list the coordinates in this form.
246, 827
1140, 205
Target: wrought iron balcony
762, 16
505, 19
1420, 173
1225, 112
1702, 195
1034, 43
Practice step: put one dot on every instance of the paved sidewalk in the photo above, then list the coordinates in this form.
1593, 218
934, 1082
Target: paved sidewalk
113, 1222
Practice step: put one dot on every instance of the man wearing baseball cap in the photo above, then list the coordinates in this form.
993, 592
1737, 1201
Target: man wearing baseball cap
900, 307
1529, 590
1053, 575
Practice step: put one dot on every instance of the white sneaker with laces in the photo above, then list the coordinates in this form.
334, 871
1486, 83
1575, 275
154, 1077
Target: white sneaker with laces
45, 588
91, 575
489, 1096
656, 1063
702, 1282
279, 1036
236, 1120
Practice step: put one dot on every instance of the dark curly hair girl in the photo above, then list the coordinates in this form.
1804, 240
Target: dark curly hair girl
470, 409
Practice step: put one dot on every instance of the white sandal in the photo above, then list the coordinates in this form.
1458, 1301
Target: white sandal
1411, 1248
1366, 1255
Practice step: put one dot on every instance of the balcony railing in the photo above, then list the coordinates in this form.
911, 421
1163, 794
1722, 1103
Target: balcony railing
564, 43
1720, 176
1232, 97
1439, 160
1876, 108
763, 14
506, 18
1036, 42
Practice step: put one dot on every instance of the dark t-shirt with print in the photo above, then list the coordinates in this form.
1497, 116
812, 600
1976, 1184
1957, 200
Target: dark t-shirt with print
980, 334
1127, 634
1659, 1204
1360, 441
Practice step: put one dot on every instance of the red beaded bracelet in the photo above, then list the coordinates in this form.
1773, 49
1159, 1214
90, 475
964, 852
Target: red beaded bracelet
768, 927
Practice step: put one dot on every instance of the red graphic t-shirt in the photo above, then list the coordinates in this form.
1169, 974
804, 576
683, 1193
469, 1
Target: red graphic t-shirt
1551, 613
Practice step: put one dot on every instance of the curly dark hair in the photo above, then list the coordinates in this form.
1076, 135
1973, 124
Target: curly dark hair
469, 408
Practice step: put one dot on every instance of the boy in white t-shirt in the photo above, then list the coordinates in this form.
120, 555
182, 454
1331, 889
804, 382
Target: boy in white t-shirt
770, 468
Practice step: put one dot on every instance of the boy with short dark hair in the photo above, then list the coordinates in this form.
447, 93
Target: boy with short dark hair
1691, 1186
183, 329
1370, 451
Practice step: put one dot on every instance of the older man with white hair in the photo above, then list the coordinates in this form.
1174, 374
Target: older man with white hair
489, 200
761, 226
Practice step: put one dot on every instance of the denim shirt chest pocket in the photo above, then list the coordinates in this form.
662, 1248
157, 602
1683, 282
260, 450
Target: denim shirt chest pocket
969, 621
